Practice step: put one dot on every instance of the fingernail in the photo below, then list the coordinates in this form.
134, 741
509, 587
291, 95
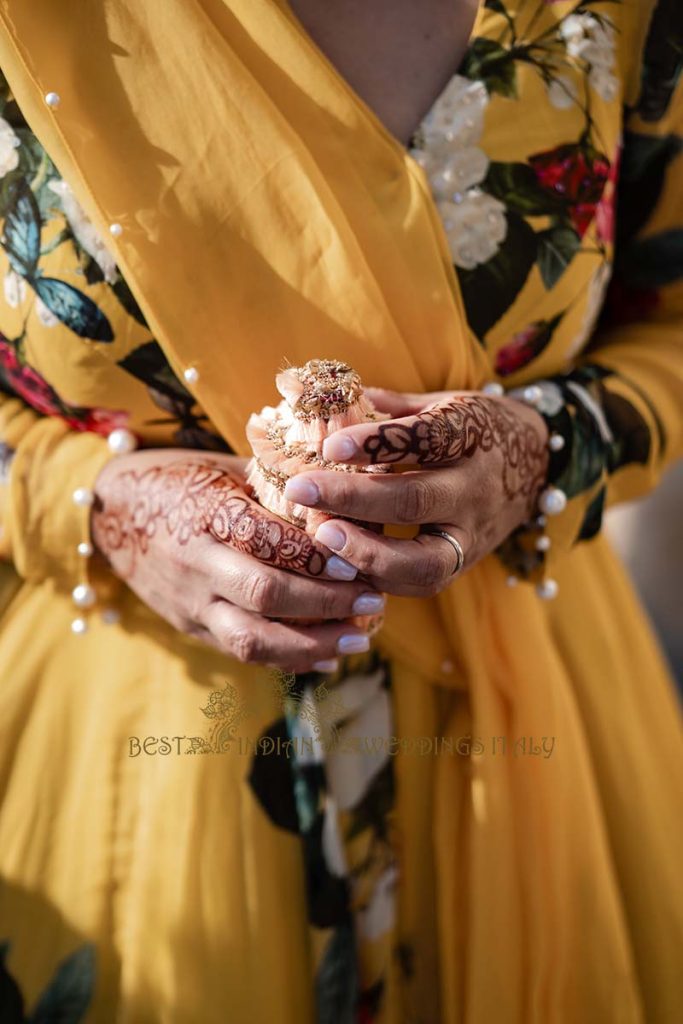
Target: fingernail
331, 536
339, 449
303, 492
353, 643
368, 604
338, 569
331, 665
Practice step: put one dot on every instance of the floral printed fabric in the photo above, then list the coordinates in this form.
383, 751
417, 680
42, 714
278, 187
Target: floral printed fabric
59, 275
519, 228
524, 152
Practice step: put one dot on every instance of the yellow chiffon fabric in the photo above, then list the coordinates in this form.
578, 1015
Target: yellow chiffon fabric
268, 217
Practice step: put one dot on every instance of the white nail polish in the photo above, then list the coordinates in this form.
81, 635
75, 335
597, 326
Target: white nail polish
338, 569
353, 643
331, 536
368, 604
339, 449
303, 492
331, 665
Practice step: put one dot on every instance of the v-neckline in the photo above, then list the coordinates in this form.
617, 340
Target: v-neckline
364, 108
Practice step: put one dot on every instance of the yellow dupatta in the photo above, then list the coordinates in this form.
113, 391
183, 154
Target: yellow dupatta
268, 218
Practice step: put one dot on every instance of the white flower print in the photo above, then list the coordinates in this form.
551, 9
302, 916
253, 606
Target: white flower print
9, 144
605, 83
458, 113
593, 40
14, 288
85, 232
562, 92
475, 228
455, 165
455, 171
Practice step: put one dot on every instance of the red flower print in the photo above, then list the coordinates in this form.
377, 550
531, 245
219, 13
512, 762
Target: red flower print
36, 392
100, 421
576, 176
525, 346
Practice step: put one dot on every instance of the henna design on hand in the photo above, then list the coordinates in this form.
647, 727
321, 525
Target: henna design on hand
188, 499
460, 429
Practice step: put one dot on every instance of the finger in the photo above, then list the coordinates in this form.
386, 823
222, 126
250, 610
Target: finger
404, 403
250, 638
412, 497
450, 430
247, 527
256, 587
419, 567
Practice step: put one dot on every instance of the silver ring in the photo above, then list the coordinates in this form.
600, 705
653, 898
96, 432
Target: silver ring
455, 544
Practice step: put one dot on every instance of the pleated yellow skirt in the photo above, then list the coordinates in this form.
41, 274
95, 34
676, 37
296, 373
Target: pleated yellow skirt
195, 901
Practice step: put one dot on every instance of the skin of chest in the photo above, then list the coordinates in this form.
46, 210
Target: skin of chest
397, 55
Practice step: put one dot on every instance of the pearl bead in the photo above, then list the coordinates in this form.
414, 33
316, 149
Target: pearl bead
512, 581
556, 442
541, 521
191, 375
547, 590
85, 549
79, 627
53, 99
122, 441
552, 501
446, 667
493, 388
116, 230
83, 595
543, 543
110, 616
532, 394
83, 496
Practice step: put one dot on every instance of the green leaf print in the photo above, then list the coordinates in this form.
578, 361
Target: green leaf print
21, 241
493, 65
69, 992
21, 237
490, 289
73, 308
516, 185
64, 1001
587, 461
557, 247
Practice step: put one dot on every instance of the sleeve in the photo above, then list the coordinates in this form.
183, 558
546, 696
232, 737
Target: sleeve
47, 473
621, 408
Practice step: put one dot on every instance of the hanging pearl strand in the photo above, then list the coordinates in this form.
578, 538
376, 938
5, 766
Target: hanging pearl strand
83, 595
552, 501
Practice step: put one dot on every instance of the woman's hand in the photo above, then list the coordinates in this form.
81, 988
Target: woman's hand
486, 459
179, 528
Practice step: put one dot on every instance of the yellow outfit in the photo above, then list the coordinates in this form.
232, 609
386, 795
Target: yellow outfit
260, 215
